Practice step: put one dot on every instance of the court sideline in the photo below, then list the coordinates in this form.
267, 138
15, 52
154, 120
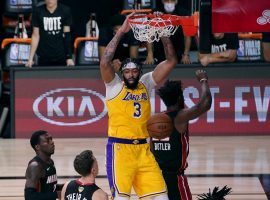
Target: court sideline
241, 162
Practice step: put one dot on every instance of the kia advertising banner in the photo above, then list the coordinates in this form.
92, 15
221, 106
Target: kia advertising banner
71, 104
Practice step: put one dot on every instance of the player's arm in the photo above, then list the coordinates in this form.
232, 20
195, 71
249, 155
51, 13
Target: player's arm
133, 51
33, 174
185, 57
64, 190
266, 51
99, 195
106, 68
202, 106
226, 56
163, 69
34, 44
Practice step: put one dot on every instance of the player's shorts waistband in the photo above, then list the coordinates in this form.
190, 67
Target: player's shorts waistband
127, 141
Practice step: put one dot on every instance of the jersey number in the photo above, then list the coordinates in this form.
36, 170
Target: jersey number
138, 111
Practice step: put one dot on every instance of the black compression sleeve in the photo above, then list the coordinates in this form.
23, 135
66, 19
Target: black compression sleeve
32, 194
67, 44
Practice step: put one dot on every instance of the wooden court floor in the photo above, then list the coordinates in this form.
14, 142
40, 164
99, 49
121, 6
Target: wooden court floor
242, 163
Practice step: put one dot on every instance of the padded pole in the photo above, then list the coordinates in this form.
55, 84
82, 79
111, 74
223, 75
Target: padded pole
205, 26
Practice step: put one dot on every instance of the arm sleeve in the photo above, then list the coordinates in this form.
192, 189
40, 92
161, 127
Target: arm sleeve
233, 41
32, 194
114, 87
67, 44
148, 81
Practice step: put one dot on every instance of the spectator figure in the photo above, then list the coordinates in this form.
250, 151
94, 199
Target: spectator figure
129, 160
84, 188
128, 46
51, 38
223, 49
266, 46
180, 42
171, 153
41, 178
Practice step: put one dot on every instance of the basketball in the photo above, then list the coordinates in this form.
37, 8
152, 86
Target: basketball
159, 126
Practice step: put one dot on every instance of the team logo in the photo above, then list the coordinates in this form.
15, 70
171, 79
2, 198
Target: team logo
70, 106
265, 18
80, 189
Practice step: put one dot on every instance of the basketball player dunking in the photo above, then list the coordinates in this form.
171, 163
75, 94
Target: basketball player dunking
41, 179
171, 153
130, 162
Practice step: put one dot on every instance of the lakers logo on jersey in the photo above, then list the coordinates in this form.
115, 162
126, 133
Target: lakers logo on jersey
135, 97
128, 113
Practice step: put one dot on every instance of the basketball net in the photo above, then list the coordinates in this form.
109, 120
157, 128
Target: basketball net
151, 27
152, 30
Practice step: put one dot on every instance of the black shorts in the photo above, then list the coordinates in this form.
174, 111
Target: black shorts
177, 185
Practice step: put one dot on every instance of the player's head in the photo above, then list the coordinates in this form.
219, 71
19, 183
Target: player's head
85, 163
131, 71
218, 35
169, 5
51, 3
117, 21
42, 142
172, 94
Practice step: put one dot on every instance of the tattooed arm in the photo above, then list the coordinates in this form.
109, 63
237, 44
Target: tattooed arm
164, 68
106, 67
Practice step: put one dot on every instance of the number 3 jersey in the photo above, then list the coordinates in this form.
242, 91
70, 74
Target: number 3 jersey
129, 109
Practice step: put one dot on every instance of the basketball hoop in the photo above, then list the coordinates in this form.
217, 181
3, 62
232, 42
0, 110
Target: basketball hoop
151, 27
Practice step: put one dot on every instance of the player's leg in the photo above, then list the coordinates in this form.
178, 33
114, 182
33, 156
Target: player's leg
120, 170
171, 180
184, 188
148, 182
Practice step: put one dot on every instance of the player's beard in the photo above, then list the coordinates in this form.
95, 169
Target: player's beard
133, 85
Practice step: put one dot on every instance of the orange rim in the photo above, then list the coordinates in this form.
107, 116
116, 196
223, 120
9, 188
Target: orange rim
174, 20
125, 12
188, 23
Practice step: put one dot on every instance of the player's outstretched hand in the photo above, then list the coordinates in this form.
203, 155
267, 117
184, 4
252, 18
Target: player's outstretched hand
125, 26
201, 75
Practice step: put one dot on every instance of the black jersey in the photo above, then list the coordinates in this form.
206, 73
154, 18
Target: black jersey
48, 182
51, 27
229, 41
266, 37
76, 190
171, 153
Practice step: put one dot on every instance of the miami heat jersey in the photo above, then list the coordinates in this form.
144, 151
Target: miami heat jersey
76, 190
171, 153
129, 111
49, 181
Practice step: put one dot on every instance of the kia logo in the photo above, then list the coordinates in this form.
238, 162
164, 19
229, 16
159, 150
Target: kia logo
70, 106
